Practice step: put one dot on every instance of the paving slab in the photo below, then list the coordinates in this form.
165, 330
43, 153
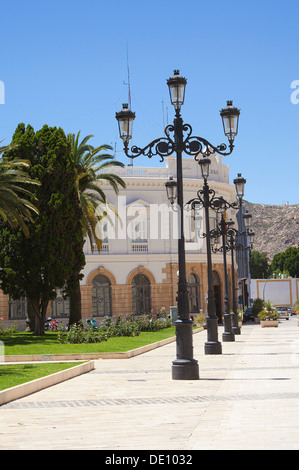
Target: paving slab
245, 398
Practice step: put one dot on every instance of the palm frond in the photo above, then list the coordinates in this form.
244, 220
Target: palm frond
89, 161
15, 209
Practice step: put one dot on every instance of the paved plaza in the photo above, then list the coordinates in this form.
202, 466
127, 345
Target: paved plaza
246, 398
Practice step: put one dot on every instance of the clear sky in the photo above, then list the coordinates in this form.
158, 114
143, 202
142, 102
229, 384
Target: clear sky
64, 63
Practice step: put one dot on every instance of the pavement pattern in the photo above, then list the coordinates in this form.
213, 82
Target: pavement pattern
245, 399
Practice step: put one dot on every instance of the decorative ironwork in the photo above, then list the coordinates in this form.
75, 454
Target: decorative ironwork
166, 146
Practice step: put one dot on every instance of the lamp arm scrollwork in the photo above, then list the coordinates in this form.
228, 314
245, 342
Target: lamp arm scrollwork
162, 147
198, 147
165, 146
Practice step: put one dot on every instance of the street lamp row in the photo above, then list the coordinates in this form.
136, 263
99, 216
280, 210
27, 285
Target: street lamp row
178, 139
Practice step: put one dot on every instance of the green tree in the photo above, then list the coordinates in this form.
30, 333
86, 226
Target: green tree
92, 165
257, 307
258, 265
34, 266
287, 261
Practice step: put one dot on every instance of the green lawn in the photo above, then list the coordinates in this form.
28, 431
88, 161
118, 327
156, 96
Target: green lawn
17, 374
26, 343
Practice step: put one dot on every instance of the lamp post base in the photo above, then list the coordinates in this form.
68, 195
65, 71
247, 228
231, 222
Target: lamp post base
213, 347
183, 369
228, 334
236, 330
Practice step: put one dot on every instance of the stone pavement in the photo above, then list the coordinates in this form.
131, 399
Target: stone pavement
246, 398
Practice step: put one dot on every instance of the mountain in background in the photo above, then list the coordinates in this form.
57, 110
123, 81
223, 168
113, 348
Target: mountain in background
276, 227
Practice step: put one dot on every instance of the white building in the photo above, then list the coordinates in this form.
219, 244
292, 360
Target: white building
136, 270
281, 292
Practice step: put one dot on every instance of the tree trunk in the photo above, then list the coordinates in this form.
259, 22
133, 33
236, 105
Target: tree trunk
39, 310
31, 316
75, 305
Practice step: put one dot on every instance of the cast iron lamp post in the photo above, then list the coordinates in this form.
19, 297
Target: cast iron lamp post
221, 231
225, 230
179, 139
233, 245
207, 199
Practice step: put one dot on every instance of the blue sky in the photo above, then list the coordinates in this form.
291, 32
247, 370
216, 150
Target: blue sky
64, 63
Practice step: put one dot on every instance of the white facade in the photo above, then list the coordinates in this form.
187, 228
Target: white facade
146, 231
144, 238
281, 292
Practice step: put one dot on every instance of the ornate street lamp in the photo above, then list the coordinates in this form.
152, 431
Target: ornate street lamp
177, 87
178, 139
233, 245
230, 119
222, 231
171, 190
247, 220
125, 119
239, 183
207, 198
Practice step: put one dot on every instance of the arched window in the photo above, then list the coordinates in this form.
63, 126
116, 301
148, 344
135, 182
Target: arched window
216, 279
60, 307
141, 294
101, 296
193, 293
17, 309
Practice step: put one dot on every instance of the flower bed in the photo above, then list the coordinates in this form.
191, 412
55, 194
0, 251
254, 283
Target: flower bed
130, 326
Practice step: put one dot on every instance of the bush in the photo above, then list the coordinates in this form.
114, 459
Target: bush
200, 319
9, 330
122, 327
119, 327
257, 307
77, 335
151, 322
266, 315
269, 313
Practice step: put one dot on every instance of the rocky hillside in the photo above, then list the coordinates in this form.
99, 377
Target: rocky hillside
276, 227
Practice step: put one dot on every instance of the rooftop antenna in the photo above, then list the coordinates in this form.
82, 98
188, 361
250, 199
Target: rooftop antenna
129, 91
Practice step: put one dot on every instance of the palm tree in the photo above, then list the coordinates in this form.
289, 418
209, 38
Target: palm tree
89, 163
15, 208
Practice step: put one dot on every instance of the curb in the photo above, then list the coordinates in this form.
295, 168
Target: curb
93, 356
20, 391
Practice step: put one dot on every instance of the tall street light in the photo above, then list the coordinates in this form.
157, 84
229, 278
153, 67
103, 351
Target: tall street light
178, 139
233, 245
206, 198
230, 326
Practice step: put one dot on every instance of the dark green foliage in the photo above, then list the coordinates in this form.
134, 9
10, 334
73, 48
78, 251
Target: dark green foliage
257, 307
287, 261
77, 335
114, 328
258, 265
36, 266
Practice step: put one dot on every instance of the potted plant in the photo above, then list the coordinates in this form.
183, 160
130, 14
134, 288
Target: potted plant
200, 320
240, 318
269, 316
257, 307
